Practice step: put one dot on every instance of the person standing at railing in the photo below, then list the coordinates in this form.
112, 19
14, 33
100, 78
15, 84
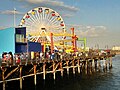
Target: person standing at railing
41, 55
47, 55
10, 57
4, 56
17, 58
52, 56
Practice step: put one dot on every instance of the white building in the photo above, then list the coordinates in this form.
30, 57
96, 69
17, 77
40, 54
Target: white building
116, 48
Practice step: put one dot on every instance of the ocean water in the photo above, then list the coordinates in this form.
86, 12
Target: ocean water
103, 80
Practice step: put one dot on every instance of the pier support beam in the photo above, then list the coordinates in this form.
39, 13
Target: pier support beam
61, 68
99, 64
3, 78
44, 70
78, 64
110, 62
96, 64
35, 82
90, 67
67, 63
106, 63
73, 66
93, 64
20, 77
54, 70
86, 66
82, 66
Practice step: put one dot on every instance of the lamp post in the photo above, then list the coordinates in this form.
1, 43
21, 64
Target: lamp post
14, 17
28, 56
98, 46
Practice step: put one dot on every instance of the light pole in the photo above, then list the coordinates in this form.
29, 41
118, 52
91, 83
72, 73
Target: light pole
14, 17
98, 46
106, 47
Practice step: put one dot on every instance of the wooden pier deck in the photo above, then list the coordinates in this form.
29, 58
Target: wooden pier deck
26, 68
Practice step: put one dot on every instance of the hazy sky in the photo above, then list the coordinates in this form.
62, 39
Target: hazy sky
98, 20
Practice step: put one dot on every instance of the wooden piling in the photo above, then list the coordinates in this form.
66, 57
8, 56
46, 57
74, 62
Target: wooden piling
103, 62
61, 68
99, 64
53, 70
3, 78
82, 66
96, 64
93, 65
73, 66
35, 82
44, 72
90, 67
110, 62
20, 77
78, 64
86, 66
67, 63
106, 63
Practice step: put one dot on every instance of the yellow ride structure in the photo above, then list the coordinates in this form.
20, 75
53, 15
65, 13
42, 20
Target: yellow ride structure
46, 26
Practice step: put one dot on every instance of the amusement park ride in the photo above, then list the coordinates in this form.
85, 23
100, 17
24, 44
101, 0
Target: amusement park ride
46, 26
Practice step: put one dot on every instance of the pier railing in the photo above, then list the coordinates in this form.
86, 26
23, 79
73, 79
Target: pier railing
26, 61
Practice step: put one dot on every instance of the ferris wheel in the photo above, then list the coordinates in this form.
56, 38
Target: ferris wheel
42, 19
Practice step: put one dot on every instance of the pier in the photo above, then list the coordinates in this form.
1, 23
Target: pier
46, 49
27, 68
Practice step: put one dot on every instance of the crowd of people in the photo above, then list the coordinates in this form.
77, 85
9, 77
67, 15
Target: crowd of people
32, 56
19, 57
7, 57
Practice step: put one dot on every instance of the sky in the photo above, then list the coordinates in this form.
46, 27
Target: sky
97, 20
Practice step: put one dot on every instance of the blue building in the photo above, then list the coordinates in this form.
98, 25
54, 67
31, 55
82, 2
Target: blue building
14, 40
